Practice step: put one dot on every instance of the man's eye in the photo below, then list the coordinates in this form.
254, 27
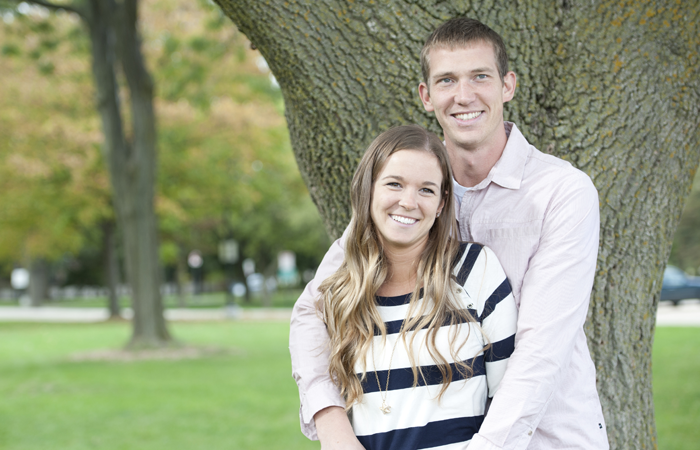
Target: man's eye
444, 80
481, 76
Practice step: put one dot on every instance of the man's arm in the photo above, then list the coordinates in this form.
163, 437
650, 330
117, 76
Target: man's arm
322, 406
498, 319
553, 306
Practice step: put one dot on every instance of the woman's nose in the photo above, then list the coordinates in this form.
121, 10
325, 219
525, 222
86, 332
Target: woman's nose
407, 200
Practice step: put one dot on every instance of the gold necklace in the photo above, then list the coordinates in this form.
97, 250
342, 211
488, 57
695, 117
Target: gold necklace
385, 408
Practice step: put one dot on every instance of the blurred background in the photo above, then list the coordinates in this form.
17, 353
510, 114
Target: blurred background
238, 232
234, 214
236, 224
685, 253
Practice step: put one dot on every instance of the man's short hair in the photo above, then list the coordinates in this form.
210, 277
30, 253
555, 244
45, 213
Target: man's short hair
461, 32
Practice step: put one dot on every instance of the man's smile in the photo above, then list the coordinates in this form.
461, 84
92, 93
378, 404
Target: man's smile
468, 116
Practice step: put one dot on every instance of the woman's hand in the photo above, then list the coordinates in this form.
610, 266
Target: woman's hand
334, 430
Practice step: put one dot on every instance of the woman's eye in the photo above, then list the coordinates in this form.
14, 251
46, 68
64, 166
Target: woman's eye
427, 191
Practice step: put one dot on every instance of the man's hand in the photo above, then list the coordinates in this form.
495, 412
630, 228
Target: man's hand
334, 430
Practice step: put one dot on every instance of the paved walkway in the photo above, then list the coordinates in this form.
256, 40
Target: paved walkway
64, 314
687, 313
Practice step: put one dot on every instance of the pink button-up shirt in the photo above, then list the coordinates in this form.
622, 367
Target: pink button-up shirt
540, 216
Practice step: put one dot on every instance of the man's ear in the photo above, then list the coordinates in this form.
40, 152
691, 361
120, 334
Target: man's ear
424, 94
509, 83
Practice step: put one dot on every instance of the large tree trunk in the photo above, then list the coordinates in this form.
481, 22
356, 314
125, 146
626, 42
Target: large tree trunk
611, 86
132, 164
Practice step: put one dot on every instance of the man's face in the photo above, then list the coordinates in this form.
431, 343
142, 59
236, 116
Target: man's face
466, 93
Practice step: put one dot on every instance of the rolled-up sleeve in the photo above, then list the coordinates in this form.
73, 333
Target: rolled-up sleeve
308, 346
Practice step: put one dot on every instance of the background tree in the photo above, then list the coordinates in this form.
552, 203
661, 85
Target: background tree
612, 87
55, 192
129, 148
225, 165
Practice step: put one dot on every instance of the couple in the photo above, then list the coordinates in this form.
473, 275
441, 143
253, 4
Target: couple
413, 330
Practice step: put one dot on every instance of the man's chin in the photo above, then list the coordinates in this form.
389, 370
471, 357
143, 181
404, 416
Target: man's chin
465, 141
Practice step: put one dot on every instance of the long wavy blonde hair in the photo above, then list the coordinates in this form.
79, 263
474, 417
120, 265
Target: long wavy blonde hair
348, 303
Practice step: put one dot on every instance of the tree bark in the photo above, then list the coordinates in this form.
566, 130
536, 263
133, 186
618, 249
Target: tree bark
131, 163
610, 86
38, 281
111, 266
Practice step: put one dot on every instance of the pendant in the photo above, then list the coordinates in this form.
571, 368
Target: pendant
386, 409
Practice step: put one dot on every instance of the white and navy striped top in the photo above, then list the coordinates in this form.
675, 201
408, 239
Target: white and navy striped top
417, 420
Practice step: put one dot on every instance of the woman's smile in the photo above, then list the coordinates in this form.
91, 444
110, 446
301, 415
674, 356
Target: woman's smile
404, 220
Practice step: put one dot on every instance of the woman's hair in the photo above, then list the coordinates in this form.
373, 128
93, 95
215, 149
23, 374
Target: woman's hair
348, 301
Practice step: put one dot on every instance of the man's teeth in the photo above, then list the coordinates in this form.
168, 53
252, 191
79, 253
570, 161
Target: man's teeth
404, 220
468, 116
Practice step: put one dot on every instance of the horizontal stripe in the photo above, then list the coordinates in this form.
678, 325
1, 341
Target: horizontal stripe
394, 326
415, 407
402, 378
379, 356
500, 350
390, 313
469, 260
433, 434
495, 298
397, 300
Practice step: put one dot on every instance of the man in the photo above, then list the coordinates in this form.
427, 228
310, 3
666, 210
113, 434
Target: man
539, 215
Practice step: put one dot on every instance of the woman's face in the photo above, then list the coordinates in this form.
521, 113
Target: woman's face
406, 198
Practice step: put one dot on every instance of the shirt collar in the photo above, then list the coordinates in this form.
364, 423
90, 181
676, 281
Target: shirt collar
508, 170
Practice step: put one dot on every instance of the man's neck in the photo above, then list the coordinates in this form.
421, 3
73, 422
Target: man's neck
471, 165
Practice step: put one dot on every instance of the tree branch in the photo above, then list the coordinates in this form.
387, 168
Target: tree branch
56, 7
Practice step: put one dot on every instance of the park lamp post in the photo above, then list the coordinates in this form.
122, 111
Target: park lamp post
19, 280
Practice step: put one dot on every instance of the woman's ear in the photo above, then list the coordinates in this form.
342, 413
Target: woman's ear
442, 205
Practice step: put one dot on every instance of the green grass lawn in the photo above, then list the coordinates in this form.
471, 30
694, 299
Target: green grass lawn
676, 368
241, 396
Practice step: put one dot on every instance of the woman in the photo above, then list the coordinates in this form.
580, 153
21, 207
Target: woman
420, 326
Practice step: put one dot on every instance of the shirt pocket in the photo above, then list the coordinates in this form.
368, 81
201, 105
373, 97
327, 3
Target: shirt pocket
528, 230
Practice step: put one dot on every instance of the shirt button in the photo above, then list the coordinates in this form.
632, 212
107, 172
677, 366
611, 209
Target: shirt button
529, 433
459, 290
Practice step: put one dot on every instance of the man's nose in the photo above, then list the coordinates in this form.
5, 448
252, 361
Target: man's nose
465, 92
